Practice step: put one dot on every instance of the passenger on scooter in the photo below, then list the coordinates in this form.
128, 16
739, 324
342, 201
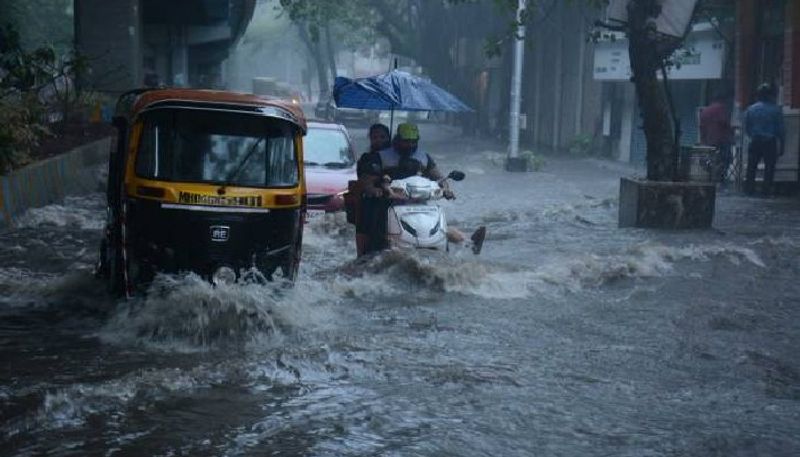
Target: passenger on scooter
379, 139
402, 160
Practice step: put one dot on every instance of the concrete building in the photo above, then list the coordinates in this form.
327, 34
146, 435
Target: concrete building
131, 43
701, 75
561, 102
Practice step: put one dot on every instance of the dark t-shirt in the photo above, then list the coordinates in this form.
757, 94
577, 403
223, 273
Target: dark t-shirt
396, 165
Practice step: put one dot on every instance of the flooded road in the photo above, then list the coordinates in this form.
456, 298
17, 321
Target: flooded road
567, 336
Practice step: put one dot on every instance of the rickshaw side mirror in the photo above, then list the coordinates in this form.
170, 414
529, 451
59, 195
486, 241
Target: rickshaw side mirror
456, 175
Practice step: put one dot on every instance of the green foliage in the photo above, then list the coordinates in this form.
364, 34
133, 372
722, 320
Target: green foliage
21, 129
535, 162
21, 70
580, 145
33, 85
352, 22
40, 22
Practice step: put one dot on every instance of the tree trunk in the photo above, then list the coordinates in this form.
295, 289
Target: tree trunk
315, 50
646, 60
331, 53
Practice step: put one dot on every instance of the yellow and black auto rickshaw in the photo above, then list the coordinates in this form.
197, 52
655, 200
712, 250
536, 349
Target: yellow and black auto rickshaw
203, 181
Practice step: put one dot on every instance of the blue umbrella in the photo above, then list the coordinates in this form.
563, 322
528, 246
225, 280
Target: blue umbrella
396, 90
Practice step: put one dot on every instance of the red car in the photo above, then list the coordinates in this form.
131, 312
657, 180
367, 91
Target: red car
330, 162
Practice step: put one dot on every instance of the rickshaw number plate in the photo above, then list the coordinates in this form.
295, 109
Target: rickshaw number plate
219, 233
315, 213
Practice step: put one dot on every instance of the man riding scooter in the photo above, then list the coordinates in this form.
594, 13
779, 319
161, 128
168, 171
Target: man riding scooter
402, 160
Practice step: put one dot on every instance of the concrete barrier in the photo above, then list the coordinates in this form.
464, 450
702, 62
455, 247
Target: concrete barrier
50, 180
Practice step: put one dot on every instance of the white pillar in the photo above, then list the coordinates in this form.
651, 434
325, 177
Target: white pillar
516, 83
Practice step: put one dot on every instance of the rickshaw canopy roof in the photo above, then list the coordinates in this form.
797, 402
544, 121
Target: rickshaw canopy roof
215, 99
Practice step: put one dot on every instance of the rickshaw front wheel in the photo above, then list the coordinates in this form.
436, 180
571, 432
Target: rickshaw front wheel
291, 264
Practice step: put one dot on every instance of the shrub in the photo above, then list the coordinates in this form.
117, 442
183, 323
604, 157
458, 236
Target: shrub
535, 162
580, 145
21, 129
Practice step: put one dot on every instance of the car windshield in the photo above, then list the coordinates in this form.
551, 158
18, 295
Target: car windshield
327, 147
215, 147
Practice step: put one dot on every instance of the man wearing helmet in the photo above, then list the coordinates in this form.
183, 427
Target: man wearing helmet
763, 123
401, 160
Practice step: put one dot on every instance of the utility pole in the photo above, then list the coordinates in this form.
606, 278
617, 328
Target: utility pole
514, 161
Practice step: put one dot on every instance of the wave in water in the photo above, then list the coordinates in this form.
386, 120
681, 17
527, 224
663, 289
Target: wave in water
398, 272
83, 212
188, 313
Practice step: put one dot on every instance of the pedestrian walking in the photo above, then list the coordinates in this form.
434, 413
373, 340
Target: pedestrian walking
716, 131
763, 124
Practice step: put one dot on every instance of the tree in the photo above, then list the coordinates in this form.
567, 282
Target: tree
40, 22
650, 53
323, 23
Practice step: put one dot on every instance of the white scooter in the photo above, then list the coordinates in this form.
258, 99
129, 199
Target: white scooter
414, 219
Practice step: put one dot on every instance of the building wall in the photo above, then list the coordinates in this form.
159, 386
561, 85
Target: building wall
109, 33
127, 39
791, 59
751, 45
49, 181
560, 98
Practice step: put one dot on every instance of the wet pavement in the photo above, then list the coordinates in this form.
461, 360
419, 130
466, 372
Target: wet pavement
567, 336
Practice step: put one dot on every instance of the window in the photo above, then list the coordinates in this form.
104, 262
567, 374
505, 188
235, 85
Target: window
327, 147
216, 147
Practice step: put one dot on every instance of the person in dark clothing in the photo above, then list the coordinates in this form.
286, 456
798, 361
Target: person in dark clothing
715, 130
763, 123
367, 217
401, 160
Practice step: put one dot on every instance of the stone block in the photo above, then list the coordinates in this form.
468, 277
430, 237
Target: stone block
666, 204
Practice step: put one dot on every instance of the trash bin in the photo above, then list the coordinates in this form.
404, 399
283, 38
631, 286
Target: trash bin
700, 164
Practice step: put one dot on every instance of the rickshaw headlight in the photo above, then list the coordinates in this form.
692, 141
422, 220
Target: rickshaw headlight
224, 275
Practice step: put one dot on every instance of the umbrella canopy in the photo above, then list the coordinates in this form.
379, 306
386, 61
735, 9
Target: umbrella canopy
396, 90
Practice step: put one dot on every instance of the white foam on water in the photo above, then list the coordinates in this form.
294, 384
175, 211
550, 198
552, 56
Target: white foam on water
187, 313
473, 170
81, 212
398, 272
645, 260
778, 242
70, 406
19, 286
23, 288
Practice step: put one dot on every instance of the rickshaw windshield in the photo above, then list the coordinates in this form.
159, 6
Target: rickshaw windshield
217, 147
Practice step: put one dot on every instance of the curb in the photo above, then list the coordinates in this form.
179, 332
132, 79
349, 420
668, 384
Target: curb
50, 180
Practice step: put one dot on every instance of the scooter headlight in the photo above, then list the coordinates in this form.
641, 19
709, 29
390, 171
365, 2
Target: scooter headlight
223, 275
418, 193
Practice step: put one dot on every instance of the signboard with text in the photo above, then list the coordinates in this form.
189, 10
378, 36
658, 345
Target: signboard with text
701, 57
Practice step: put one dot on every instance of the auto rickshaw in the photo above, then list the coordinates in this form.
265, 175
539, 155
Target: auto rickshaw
203, 181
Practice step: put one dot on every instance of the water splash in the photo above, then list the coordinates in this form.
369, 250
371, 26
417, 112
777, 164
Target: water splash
400, 272
82, 212
187, 313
